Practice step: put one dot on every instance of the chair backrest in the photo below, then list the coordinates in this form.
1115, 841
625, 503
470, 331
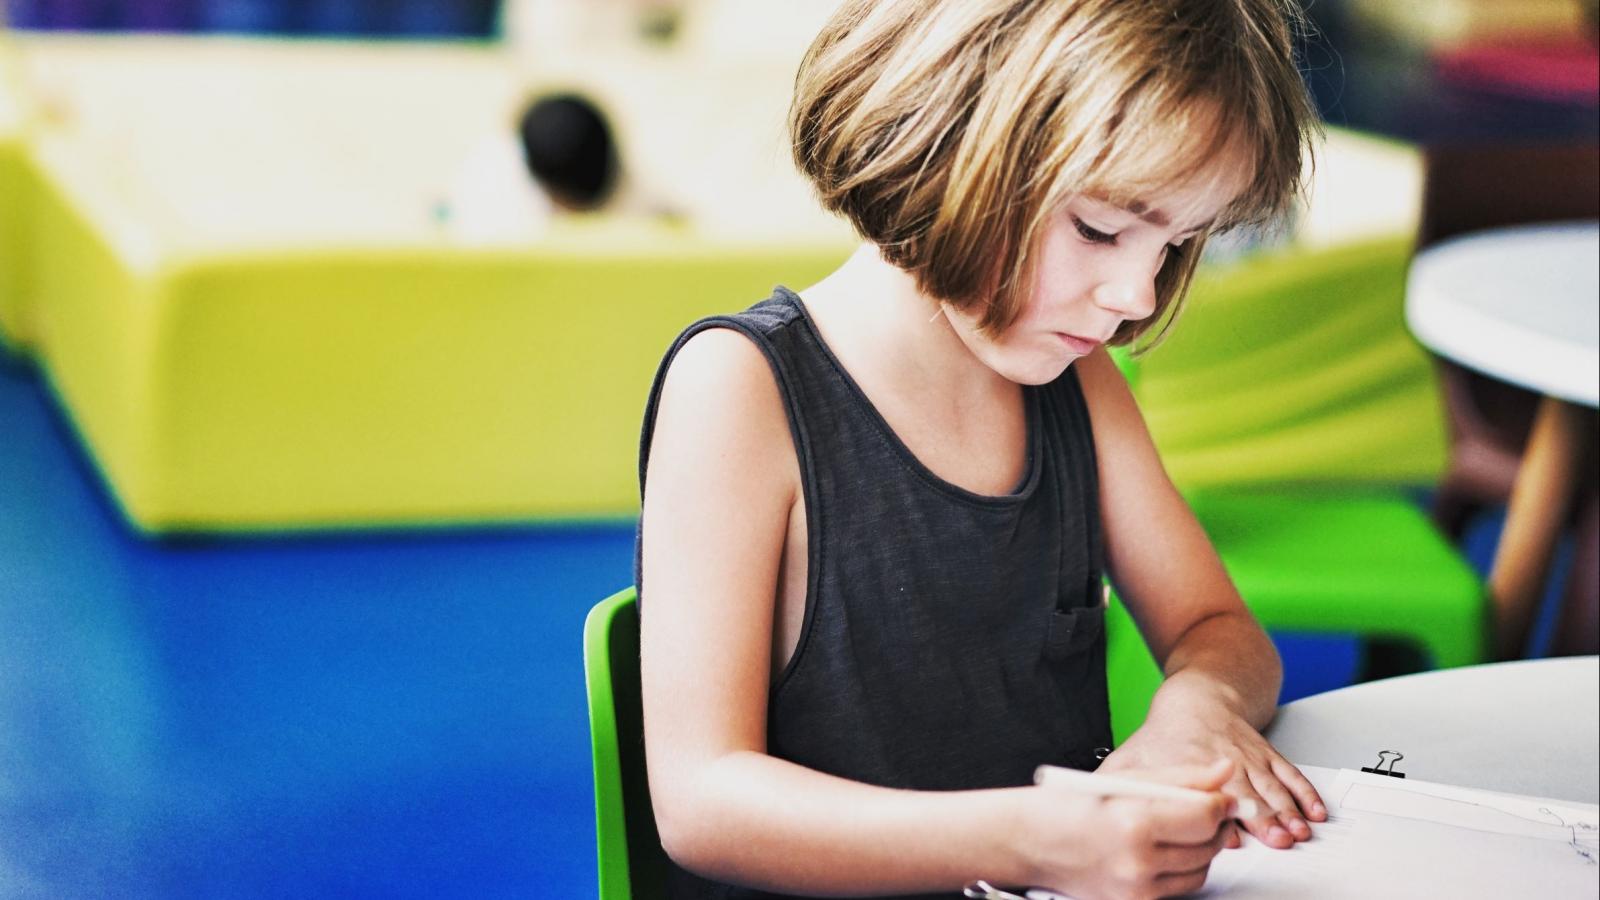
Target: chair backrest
1296, 365
632, 863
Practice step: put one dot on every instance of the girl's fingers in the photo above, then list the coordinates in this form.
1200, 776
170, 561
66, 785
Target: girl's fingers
1267, 830
1176, 884
1288, 821
1184, 869
1188, 822
1264, 826
1232, 841
1186, 858
1305, 793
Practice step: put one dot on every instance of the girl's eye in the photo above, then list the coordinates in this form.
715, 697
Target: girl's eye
1092, 235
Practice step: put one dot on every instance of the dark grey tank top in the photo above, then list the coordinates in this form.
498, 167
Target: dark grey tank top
951, 640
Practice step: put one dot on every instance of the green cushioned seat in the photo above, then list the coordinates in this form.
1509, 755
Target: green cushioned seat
1329, 561
1295, 411
632, 863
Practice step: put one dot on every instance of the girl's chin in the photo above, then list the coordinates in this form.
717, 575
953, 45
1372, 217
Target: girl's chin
1038, 372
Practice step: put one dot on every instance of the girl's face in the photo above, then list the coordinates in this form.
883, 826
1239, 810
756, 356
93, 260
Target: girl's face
1096, 268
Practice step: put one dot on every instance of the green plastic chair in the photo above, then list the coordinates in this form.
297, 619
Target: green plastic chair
1296, 366
1322, 561
1294, 410
632, 864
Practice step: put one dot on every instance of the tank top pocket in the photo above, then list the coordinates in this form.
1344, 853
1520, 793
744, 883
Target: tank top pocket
1074, 656
1073, 631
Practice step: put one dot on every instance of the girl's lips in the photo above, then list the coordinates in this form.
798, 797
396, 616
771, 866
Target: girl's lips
1078, 345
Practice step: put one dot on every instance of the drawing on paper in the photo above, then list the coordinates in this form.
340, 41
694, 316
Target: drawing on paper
1480, 811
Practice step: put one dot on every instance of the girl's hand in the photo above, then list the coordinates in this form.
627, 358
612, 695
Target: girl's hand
1175, 736
1122, 847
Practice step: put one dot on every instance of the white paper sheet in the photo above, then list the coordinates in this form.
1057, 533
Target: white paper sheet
1392, 837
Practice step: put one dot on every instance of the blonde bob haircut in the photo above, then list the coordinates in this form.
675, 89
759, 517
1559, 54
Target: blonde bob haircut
948, 132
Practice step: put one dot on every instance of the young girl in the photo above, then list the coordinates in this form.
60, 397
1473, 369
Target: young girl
878, 512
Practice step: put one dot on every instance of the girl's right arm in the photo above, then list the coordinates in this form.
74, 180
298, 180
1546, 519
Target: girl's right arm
723, 481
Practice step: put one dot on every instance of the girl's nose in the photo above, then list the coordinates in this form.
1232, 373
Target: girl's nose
1131, 302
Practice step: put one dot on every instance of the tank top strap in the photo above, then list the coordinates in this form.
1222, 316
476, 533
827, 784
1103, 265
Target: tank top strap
761, 324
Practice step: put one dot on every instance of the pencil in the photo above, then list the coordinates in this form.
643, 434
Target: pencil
1113, 786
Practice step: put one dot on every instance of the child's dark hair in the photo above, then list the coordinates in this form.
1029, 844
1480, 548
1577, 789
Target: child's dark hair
569, 150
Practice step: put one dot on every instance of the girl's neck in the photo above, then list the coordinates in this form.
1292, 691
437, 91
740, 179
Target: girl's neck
872, 313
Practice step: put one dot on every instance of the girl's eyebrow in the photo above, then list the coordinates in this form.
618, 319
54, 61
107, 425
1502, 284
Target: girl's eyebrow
1159, 219
1154, 216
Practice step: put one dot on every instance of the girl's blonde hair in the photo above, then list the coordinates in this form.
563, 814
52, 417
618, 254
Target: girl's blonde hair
949, 131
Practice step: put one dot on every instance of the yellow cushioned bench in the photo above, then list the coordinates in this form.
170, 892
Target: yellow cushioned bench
14, 181
253, 337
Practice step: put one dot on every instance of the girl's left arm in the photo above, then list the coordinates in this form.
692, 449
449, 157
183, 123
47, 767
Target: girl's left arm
1222, 672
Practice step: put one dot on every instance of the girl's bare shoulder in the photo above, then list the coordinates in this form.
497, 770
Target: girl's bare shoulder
721, 370
721, 410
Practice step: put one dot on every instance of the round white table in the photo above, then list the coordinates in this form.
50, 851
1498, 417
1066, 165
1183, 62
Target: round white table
1523, 305
1530, 727
1517, 303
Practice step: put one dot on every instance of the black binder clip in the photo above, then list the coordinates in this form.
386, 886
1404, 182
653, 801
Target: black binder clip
1385, 765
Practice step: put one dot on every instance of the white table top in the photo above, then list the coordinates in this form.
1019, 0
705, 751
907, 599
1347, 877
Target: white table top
1516, 303
1529, 727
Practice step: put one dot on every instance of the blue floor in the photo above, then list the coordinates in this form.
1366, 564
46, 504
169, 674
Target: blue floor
395, 716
